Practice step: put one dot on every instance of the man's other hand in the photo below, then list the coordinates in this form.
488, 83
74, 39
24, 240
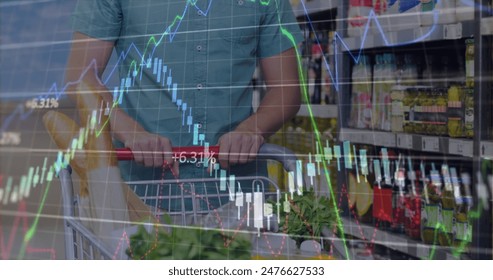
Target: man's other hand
239, 147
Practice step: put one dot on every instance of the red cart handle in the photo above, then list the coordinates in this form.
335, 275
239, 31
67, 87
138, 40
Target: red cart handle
125, 154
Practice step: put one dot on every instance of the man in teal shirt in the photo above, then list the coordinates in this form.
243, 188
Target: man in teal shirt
186, 65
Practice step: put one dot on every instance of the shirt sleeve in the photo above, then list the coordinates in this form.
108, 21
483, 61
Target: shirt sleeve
101, 19
279, 30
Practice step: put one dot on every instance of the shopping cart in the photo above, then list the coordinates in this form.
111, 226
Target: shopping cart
82, 243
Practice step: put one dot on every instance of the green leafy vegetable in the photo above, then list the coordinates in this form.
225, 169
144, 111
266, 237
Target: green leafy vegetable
307, 217
187, 244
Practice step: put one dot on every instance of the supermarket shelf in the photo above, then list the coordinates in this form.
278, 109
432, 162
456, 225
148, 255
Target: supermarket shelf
441, 32
319, 111
487, 150
375, 138
487, 26
421, 143
398, 242
314, 6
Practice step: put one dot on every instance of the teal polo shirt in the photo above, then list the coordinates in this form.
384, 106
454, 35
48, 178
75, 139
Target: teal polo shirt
199, 52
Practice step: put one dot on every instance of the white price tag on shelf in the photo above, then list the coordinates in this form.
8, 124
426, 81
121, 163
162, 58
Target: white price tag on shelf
350, 136
430, 144
468, 148
420, 32
487, 149
487, 26
387, 139
455, 147
360, 136
368, 138
368, 43
345, 135
342, 135
353, 135
452, 31
405, 141
352, 43
392, 38
460, 147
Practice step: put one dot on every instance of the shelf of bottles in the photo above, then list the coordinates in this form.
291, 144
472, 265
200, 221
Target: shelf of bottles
317, 57
414, 142
408, 95
414, 97
487, 26
401, 243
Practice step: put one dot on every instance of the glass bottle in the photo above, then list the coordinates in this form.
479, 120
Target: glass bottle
469, 112
445, 236
454, 111
470, 63
463, 228
398, 199
413, 206
430, 212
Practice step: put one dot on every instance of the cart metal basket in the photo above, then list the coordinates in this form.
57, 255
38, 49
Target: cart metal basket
81, 243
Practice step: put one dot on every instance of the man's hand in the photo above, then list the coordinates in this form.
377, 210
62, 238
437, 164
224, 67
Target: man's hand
239, 147
151, 150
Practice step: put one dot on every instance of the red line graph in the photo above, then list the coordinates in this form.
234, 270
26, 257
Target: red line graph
20, 222
371, 239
